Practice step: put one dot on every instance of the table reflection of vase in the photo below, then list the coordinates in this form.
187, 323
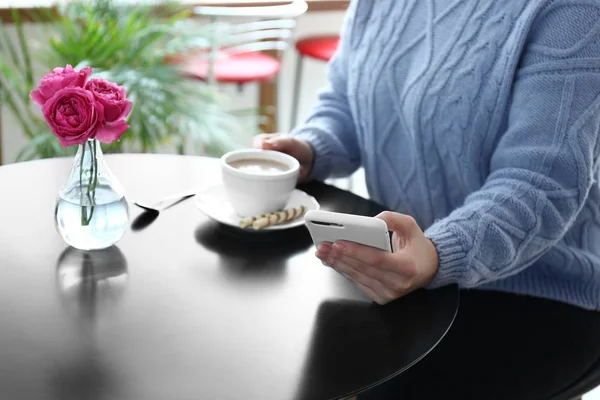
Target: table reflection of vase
91, 281
90, 284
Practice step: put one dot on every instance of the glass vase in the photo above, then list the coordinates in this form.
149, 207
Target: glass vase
91, 210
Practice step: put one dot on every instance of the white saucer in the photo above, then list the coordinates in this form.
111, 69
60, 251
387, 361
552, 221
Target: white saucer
214, 203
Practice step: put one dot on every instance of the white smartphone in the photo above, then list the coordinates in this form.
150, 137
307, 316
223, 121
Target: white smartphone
328, 226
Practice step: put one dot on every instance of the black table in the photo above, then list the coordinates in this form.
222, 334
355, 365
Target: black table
183, 309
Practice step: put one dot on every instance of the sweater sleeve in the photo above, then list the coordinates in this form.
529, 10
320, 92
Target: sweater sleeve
543, 165
329, 127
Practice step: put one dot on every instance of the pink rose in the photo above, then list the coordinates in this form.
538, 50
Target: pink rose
74, 116
60, 78
116, 108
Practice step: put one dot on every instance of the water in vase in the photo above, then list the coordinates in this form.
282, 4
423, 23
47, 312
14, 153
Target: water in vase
92, 225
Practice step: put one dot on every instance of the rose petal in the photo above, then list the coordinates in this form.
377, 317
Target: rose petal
71, 140
37, 97
48, 90
112, 131
112, 112
126, 110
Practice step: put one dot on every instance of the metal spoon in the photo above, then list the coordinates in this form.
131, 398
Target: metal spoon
166, 202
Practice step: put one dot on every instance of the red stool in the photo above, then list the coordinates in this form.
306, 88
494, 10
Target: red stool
238, 68
317, 47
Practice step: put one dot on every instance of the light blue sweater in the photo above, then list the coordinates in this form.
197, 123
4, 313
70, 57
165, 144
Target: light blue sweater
480, 118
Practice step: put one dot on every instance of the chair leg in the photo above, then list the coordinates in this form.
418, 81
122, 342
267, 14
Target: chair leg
296, 93
268, 106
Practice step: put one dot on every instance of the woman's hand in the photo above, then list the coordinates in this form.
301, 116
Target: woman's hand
299, 149
381, 275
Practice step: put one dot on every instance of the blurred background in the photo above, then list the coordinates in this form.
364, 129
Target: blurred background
205, 76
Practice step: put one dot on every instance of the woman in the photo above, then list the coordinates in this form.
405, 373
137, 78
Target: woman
477, 124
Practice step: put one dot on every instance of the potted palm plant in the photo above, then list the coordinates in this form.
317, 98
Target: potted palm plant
128, 45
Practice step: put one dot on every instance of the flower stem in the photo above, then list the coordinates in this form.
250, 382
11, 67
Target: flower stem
92, 182
83, 207
93, 179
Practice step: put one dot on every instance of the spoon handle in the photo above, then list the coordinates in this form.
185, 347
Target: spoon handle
174, 199
181, 195
166, 202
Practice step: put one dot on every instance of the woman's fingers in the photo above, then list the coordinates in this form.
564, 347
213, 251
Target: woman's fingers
371, 287
384, 277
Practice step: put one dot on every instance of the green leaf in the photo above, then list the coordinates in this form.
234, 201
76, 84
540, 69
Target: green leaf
6, 46
24, 50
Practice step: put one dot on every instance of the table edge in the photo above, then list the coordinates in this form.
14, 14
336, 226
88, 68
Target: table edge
407, 367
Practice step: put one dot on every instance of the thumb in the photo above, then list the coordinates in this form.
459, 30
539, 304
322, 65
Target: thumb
279, 143
402, 224
259, 140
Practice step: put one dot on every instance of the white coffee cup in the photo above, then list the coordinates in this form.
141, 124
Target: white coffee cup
258, 181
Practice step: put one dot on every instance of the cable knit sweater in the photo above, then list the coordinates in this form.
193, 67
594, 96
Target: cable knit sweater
479, 118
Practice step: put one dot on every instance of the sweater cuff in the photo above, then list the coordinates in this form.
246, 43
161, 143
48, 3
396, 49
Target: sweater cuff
452, 256
321, 167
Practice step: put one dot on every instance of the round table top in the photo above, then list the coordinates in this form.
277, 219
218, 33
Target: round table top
183, 309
